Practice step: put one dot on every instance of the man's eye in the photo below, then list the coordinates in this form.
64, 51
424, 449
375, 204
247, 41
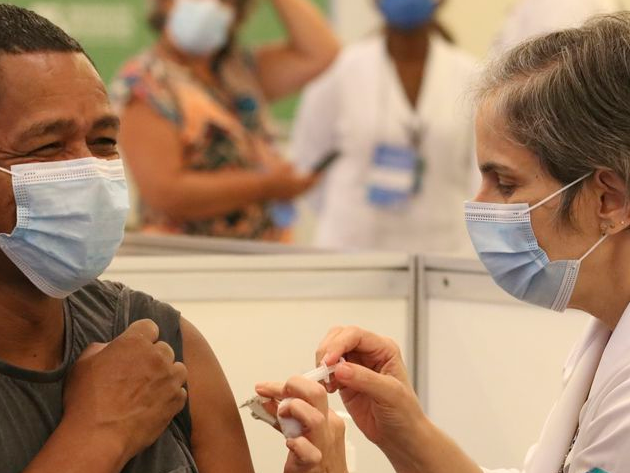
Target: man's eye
104, 146
105, 142
48, 148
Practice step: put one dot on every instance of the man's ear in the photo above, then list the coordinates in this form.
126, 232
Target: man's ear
614, 202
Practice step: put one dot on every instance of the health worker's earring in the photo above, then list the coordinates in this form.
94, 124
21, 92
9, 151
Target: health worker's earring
605, 227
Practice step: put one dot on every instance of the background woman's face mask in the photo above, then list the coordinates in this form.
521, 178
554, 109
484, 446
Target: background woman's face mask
70, 221
200, 27
504, 239
407, 14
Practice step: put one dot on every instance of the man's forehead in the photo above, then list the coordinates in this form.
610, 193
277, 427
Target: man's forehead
47, 73
38, 87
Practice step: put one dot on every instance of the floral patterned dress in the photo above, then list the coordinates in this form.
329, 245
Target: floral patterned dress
219, 128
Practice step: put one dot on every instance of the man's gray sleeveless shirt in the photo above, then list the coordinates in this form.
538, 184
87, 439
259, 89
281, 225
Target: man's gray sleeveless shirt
31, 402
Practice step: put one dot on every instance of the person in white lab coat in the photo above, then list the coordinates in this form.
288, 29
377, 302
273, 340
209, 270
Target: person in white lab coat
528, 18
394, 107
551, 223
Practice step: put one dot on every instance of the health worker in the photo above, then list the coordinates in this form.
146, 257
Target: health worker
394, 107
550, 223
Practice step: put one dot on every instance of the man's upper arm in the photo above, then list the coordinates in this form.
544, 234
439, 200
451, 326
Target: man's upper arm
218, 437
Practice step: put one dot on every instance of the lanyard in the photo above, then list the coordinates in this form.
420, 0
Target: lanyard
412, 126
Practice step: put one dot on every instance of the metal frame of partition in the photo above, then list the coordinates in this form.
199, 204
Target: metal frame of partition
155, 244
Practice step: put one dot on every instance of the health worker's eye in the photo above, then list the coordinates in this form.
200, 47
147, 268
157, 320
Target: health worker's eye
506, 190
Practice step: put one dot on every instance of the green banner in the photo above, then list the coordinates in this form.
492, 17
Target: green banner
111, 31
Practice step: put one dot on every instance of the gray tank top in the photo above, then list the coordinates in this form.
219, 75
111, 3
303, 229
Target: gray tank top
31, 401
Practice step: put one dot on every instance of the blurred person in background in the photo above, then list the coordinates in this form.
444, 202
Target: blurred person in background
392, 106
528, 18
196, 131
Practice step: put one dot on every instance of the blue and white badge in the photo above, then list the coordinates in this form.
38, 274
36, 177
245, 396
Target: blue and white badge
394, 177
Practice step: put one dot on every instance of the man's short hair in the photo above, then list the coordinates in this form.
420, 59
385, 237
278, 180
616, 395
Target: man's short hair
23, 31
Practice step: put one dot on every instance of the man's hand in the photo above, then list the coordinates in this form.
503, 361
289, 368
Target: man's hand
127, 391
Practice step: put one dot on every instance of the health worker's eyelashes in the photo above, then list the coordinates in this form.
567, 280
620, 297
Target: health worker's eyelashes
506, 190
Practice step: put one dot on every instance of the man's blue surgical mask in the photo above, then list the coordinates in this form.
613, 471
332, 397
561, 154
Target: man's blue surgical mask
504, 239
70, 221
200, 27
407, 14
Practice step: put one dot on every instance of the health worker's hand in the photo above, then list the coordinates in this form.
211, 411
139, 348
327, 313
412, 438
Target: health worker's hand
321, 447
374, 386
127, 391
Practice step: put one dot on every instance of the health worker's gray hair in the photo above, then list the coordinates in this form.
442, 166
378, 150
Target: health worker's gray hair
566, 98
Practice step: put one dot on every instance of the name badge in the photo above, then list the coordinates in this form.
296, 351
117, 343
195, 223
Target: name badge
394, 177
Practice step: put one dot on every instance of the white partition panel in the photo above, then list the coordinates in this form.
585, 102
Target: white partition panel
492, 366
265, 315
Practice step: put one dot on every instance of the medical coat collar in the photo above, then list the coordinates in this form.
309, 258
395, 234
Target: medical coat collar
562, 423
618, 344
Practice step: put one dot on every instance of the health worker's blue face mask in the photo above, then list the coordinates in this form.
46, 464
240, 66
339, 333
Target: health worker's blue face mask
407, 14
200, 27
504, 239
70, 221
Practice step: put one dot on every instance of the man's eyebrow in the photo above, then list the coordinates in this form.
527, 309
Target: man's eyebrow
46, 128
495, 167
108, 121
51, 127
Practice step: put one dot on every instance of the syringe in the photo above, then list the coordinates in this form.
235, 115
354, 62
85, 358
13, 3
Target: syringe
291, 428
323, 372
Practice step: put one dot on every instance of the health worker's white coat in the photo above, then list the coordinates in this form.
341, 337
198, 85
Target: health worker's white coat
595, 403
360, 103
